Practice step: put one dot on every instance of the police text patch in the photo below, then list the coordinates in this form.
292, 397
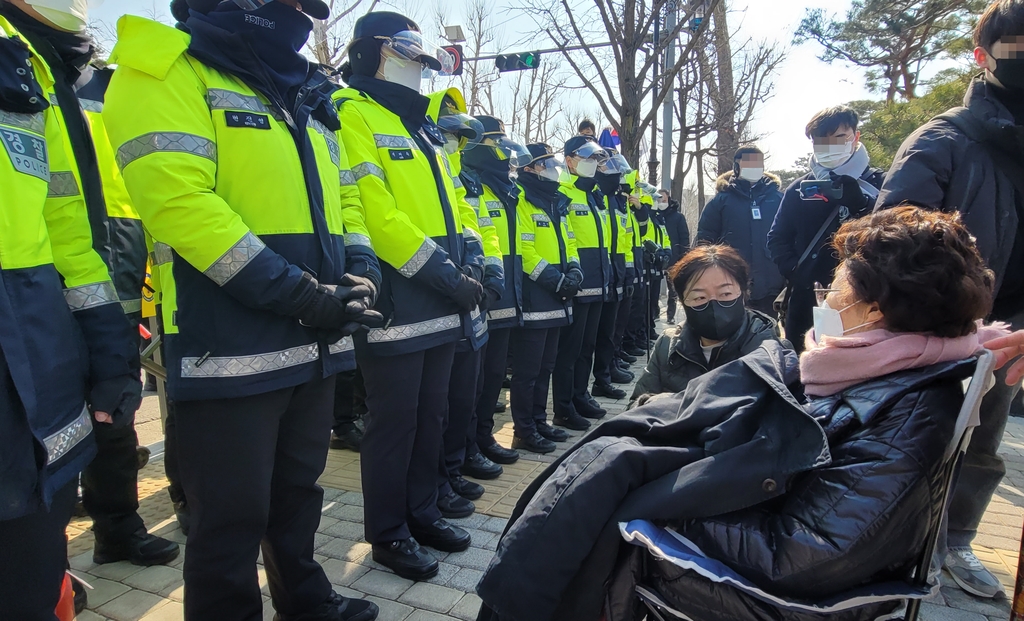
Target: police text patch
247, 119
543, 223
495, 214
27, 152
400, 154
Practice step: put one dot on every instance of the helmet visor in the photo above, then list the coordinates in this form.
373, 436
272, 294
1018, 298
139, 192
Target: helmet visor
463, 126
411, 45
507, 149
591, 151
548, 167
615, 165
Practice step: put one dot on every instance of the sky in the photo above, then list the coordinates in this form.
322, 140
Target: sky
803, 85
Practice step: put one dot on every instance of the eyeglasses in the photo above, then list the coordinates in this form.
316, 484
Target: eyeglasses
821, 292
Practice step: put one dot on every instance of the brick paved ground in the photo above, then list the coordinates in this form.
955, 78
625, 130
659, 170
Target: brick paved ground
124, 592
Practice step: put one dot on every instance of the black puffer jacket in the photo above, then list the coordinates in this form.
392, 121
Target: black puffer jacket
740, 215
860, 519
678, 358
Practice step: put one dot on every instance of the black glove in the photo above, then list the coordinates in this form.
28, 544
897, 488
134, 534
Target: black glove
476, 272
117, 396
344, 307
468, 293
576, 275
630, 290
568, 288
491, 298
853, 198
351, 280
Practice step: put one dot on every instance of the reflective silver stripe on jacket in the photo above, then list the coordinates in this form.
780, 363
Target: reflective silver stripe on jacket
527, 236
58, 444
588, 292
474, 201
221, 99
35, 123
468, 232
484, 221
90, 296
366, 169
423, 328
385, 141
496, 205
537, 271
345, 177
494, 261
91, 105
162, 254
544, 316
619, 290
355, 239
232, 261
62, 184
165, 142
342, 346
456, 182
418, 259
540, 217
330, 138
131, 306
572, 235
249, 365
501, 313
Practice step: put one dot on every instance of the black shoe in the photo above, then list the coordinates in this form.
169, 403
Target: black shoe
479, 467
590, 409
499, 454
150, 385
140, 548
624, 357
184, 516
609, 391
142, 454
442, 536
81, 596
535, 443
500, 407
507, 382
407, 559
621, 377
622, 364
453, 506
351, 440
633, 350
467, 489
336, 608
573, 421
549, 432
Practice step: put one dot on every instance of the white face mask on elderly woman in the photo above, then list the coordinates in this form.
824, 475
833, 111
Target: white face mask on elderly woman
829, 321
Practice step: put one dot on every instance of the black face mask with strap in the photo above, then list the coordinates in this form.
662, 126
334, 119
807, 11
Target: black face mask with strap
493, 172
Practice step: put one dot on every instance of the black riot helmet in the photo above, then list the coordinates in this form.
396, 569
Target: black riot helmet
316, 9
374, 30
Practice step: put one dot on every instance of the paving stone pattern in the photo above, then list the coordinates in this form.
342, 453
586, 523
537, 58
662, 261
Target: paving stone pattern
124, 592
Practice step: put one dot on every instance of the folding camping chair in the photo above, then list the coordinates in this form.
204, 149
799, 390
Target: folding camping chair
665, 544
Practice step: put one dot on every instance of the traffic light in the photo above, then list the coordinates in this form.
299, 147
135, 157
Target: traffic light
517, 62
456, 51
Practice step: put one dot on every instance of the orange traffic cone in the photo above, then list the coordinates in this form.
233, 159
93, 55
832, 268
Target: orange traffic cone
66, 605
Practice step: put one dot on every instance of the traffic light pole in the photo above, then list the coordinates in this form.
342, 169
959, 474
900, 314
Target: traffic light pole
552, 50
668, 107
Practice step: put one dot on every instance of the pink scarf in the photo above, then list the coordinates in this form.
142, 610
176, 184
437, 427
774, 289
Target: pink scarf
839, 362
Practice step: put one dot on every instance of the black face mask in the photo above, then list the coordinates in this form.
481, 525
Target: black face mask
1010, 73
715, 321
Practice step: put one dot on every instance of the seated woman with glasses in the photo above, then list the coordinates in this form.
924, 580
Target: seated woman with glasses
712, 283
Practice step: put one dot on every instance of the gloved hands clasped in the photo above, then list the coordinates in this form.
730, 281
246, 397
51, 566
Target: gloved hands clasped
650, 252
115, 400
468, 293
571, 282
345, 306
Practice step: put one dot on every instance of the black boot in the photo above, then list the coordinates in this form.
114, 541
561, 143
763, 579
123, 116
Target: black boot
573, 421
500, 407
351, 440
621, 377
549, 432
499, 454
442, 536
406, 558
589, 409
184, 516
467, 489
337, 608
479, 467
627, 358
609, 391
141, 548
535, 443
453, 506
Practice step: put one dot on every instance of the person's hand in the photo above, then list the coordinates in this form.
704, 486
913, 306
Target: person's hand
630, 290
1007, 348
344, 306
468, 293
634, 201
351, 280
491, 298
114, 401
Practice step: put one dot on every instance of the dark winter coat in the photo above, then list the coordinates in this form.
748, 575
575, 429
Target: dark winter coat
741, 215
678, 358
665, 460
678, 233
939, 167
861, 519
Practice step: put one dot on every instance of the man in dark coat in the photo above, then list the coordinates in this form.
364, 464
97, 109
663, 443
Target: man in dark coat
839, 157
659, 461
740, 215
679, 235
941, 167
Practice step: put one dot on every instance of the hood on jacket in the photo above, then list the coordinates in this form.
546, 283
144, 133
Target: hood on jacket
725, 180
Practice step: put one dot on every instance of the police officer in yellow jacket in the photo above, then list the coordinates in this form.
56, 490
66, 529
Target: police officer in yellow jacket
551, 265
427, 298
110, 481
67, 358
592, 231
235, 165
